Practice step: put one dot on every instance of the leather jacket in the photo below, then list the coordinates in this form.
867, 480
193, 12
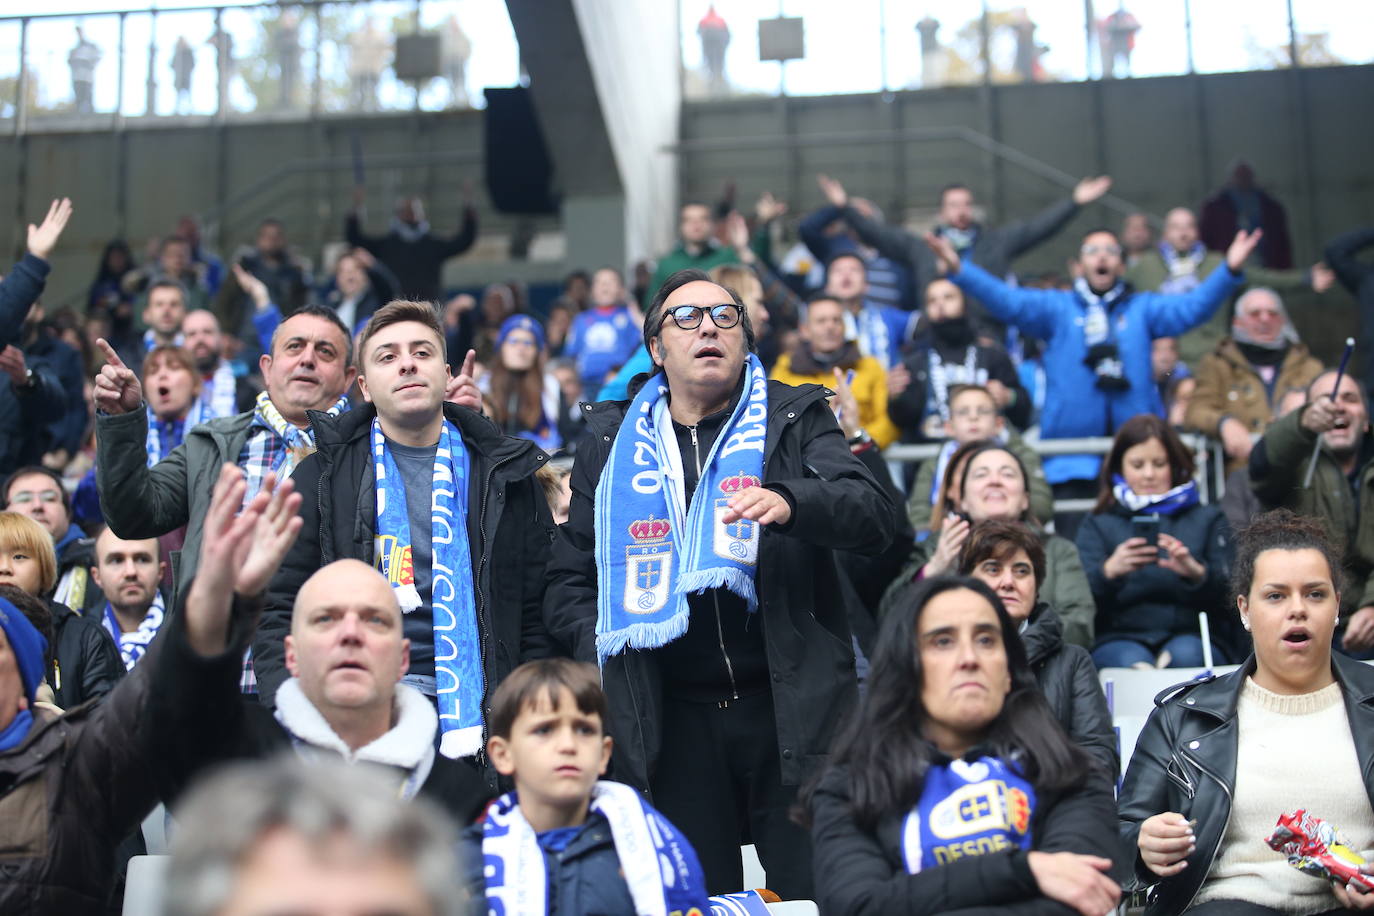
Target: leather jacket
1185, 761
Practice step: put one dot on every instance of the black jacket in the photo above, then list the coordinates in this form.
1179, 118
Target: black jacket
908, 409
1152, 604
861, 873
1068, 679
509, 528
1185, 761
1357, 275
417, 265
86, 659
198, 719
836, 505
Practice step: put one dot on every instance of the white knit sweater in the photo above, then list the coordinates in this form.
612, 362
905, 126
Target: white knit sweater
1293, 752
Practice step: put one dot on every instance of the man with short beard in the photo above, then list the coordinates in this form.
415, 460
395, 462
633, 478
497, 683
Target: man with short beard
309, 368
128, 573
221, 392
1342, 490
163, 312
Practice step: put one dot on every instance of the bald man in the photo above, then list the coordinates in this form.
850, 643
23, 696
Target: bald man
346, 654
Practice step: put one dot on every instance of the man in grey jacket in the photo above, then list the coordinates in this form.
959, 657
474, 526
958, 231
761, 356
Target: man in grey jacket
309, 368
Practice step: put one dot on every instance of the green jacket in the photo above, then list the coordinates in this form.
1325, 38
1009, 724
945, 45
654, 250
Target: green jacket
1065, 587
143, 502
680, 259
1277, 466
1150, 272
921, 502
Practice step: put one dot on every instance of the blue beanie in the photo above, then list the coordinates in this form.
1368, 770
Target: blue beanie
27, 644
521, 323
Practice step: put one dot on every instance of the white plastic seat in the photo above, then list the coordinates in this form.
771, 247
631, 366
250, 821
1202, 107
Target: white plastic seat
144, 885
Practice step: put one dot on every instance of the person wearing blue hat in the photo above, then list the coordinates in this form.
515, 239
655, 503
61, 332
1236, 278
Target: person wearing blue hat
21, 671
523, 397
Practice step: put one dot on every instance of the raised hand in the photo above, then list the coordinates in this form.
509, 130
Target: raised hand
846, 406
946, 258
43, 238
1322, 277
117, 389
224, 545
738, 232
953, 533
462, 388
834, 191
255, 288
1241, 248
1090, 189
12, 364
273, 535
769, 208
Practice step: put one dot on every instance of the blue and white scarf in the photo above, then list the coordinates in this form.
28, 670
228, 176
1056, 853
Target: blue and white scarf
870, 330
458, 671
652, 549
967, 808
218, 397
1171, 503
659, 865
150, 341
133, 645
1183, 268
163, 436
280, 447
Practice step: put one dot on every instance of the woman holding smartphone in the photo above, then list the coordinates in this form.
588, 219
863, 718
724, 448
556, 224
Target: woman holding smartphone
1154, 555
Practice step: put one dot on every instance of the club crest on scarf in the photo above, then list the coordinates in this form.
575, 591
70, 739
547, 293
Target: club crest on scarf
737, 540
653, 548
648, 566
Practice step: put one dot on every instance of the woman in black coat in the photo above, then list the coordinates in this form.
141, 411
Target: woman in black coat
1220, 759
953, 787
1009, 559
1155, 556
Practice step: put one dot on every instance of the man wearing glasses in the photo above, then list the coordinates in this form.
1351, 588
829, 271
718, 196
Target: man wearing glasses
37, 492
1097, 340
697, 568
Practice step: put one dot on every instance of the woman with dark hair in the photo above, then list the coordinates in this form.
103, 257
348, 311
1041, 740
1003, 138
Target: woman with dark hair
105, 292
1008, 558
953, 787
985, 480
1154, 555
1221, 758
524, 399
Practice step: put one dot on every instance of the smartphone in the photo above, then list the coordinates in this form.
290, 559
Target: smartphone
1147, 527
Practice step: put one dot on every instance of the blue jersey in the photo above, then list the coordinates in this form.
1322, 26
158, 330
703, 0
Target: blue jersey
601, 340
968, 809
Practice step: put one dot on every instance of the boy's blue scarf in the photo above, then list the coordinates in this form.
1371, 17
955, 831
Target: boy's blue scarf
652, 549
658, 864
1174, 501
458, 671
967, 808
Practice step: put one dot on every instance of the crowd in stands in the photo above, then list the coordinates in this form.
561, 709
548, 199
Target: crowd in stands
554, 609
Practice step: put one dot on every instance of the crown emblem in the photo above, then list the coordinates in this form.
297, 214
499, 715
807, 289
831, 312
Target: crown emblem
740, 481
650, 529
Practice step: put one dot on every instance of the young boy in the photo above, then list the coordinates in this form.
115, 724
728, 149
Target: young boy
566, 841
973, 415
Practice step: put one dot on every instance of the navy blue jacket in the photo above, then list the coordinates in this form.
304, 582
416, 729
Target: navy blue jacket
585, 878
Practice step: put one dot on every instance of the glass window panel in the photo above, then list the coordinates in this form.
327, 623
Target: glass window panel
1143, 39
10, 36
1334, 32
75, 65
1226, 40
178, 70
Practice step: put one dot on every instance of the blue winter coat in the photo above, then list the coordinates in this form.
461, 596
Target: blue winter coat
1074, 405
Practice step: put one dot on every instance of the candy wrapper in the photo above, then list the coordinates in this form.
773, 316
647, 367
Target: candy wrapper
1315, 848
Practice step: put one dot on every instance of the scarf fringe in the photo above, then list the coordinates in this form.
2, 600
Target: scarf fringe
645, 635
732, 578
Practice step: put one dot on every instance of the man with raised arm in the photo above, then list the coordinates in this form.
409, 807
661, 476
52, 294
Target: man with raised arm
310, 367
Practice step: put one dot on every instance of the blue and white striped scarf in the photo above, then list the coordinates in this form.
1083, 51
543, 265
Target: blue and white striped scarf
659, 865
458, 671
133, 645
218, 397
1181, 497
652, 549
163, 436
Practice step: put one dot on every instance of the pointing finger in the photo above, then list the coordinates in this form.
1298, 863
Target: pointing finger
469, 363
111, 356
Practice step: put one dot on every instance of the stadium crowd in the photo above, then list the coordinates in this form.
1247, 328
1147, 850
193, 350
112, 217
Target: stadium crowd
554, 610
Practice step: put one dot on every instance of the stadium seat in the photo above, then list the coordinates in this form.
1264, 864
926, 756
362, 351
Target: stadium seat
754, 876
795, 908
144, 884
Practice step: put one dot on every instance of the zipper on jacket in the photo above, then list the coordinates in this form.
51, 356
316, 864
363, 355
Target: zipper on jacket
1230, 808
715, 596
481, 599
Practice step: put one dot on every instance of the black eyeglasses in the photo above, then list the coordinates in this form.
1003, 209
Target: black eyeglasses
688, 317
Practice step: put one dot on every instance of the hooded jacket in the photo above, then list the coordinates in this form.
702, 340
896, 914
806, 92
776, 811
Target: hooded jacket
1068, 679
508, 527
836, 505
1185, 761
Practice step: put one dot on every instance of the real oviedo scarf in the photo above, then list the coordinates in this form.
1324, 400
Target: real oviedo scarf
1181, 497
659, 865
967, 808
457, 645
652, 549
